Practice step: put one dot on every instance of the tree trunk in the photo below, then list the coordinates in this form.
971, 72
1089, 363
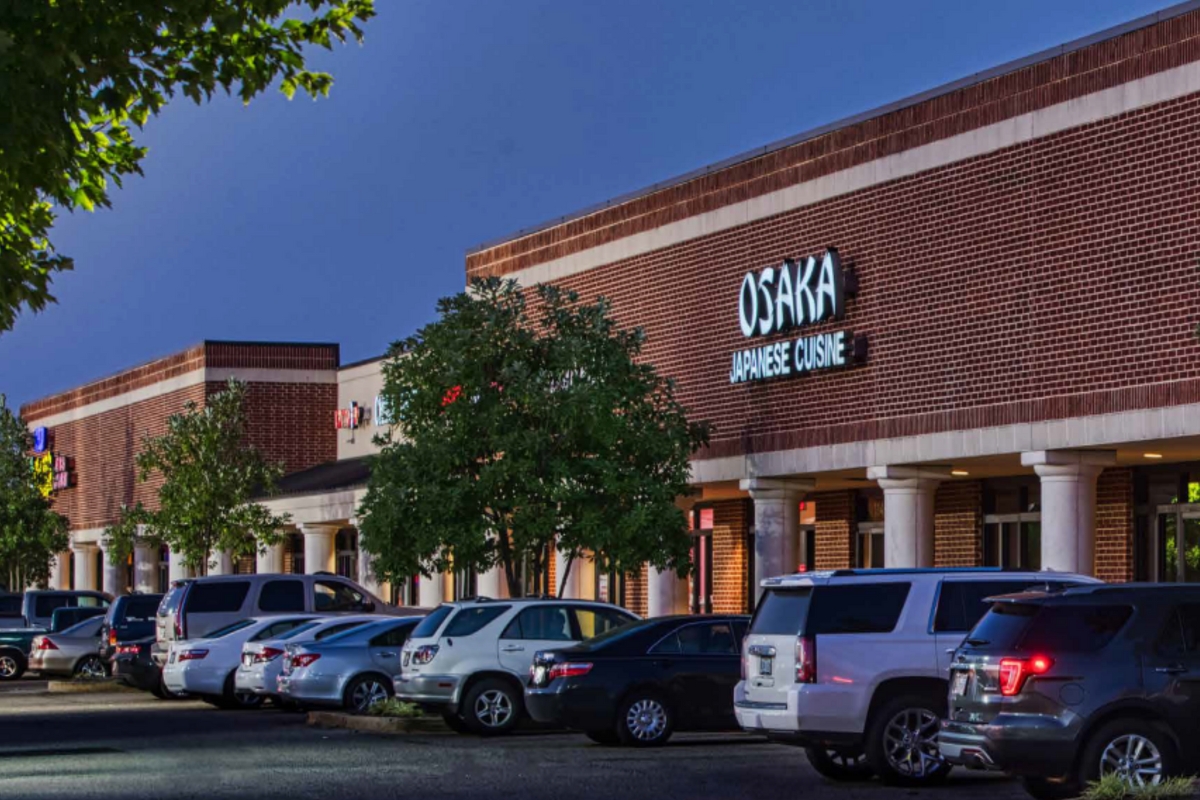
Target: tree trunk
562, 583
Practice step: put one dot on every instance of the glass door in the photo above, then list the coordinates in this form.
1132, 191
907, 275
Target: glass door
1179, 543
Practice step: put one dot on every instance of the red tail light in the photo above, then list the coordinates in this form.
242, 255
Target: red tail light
569, 670
304, 659
46, 644
112, 637
192, 655
1015, 671
127, 649
267, 654
806, 659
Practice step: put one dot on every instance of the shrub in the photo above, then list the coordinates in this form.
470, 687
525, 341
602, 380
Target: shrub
1111, 787
394, 708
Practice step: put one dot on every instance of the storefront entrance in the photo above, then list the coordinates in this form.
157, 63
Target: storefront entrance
1179, 543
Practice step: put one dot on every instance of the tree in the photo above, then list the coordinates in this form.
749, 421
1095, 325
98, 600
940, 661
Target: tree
524, 431
31, 533
210, 475
78, 75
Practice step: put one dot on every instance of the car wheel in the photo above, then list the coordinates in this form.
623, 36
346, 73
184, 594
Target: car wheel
161, 691
492, 707
91, 667
839, 765
234, 699
364, 692
1042, 789
12, 666
603, 737
901, 745
1140, 753
455, 722
644, 720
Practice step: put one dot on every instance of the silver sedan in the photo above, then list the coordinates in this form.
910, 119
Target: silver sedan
74, 651
353, 669
263, 661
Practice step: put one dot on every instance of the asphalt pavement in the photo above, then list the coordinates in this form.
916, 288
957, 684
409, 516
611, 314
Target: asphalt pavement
54, 747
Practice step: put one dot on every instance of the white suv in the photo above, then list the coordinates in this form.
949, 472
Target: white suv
853, 665
471, 659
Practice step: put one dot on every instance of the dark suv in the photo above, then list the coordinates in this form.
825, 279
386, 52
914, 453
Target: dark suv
131, 617
1061, 688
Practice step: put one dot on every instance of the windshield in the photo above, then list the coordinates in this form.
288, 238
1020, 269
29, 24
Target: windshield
170, 603
429, 626
781, 612
228, 629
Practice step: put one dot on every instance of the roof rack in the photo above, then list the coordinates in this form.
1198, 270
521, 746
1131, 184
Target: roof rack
848, 573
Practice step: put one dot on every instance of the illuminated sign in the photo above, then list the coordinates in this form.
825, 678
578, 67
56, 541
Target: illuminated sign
41, 440
50, 473
348, 417
793, 295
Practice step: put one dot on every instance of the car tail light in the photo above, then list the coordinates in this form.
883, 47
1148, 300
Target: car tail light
180, 618
304, 659
806, 660
46, 644
127, 649
424, 654
192, 655
267, 654
569, 670
1015, 671
112, 636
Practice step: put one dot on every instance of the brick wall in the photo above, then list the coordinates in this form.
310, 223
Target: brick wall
834, 526
1114, 525
958, 524
291, 423
636, 597
731, 525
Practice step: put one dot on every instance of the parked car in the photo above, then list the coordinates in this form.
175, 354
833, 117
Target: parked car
193, 607
75, 651
262, 661
471, 659
133, 665
130, 618
38, 605
352, 669
16, 644
206, 667
1062, 688
65, 617
639, 683
853, 665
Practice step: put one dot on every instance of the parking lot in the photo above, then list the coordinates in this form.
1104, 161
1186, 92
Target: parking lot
133, 746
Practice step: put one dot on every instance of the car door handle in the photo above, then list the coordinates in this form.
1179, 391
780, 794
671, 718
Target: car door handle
513, 648
388, 655
1172, 669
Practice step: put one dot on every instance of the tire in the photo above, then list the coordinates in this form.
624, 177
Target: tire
1042, 789
233, 700
645, 719
603, 737
839, 766
91, 667
492, 707
364, 692
1146, 741
454, 722
12, 665
161, 691
901, 746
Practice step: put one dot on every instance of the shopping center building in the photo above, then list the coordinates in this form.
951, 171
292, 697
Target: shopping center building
960, 330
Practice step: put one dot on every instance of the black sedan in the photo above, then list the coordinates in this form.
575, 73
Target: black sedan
133, 666
639, 683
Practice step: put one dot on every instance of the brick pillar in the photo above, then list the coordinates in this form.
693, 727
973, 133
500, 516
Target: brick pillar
835, 529
1114, 525
731, 525
958, 524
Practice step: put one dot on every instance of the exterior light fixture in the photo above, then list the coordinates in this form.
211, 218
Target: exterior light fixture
1152, 455
959, 472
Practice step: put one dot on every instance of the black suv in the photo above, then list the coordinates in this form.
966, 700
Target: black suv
1061, 688
130, 618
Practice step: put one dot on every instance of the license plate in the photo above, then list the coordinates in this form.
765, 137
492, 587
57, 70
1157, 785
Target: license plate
960, 683
171, 658
539, 675
766, 666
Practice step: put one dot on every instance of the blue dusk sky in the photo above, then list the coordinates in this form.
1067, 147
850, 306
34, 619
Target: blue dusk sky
459, 122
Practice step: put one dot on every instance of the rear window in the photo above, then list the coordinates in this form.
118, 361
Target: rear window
299, 629
781, 612
170, 602
961, 603
46, 604
141, 609
428, 626
217, 597
333, 630
470, 620
89, 627
228, 629
10, 605
1032, 627
862, 608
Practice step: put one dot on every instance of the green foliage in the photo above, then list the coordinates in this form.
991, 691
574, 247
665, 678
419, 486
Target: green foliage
395, 707
210, 475
31, 534
1111, 787
79, 75
525, 430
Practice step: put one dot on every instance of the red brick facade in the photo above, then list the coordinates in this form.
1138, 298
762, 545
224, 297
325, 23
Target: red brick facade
731, 525
1114, 525
958, 524
834, 529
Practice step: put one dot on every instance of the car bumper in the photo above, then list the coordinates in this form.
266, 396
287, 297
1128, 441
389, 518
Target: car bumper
310, 688
253, 679
433, 690
193, 677
48, 662
809, 715
1042, 747
575, 707
142, 674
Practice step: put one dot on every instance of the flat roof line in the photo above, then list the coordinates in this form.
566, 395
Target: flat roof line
962, 83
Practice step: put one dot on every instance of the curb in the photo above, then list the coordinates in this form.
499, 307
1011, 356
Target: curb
366, 724
89, 687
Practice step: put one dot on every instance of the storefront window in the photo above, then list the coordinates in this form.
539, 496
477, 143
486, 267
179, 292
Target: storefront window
346, 547
868, 550
702, 562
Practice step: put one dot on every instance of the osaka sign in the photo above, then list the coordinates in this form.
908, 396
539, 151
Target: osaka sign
789, 296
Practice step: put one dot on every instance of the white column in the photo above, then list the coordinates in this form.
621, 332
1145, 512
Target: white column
776, 525
492, 584
270, 560
177, 570
220, 563
60, 571
666, 593
1068, 479
573, 589
366, 572
431, 591
145, 568
113, 576
318, 547
908, 495
85, 566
